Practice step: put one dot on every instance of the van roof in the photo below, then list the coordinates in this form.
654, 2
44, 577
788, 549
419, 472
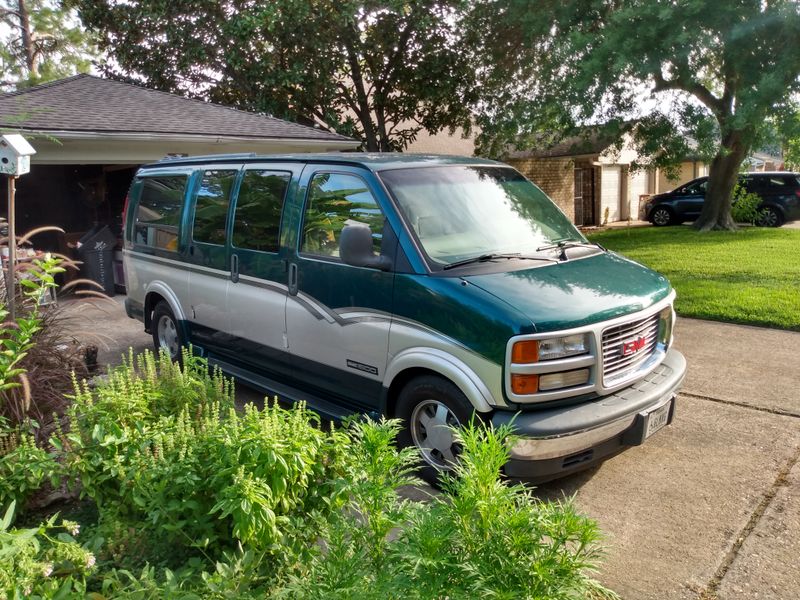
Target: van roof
376, 161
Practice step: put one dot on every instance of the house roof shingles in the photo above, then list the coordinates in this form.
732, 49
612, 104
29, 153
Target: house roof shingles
85, 103
591, 142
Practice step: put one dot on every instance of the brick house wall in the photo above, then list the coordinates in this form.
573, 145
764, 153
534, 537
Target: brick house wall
556, 177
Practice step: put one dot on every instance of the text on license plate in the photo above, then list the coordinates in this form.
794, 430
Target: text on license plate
657, 419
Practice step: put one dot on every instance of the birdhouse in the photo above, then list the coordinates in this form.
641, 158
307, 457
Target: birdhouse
15, 155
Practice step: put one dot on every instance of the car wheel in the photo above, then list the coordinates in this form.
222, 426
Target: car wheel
166, 332
769, 217
430, 408
661, 216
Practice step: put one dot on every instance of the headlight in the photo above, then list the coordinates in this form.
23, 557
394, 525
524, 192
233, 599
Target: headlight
560, 347
531, 351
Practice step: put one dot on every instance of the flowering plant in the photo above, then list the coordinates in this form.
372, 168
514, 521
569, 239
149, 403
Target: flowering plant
43, 561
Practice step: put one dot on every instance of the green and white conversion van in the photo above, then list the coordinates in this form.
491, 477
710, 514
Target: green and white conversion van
421, 287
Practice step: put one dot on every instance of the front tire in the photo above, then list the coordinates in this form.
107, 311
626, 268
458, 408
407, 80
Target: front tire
661, 216
166, 331
769, 217
430, 408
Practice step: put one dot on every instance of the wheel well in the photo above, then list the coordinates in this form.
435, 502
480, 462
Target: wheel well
774, 206
400, 381
150, 302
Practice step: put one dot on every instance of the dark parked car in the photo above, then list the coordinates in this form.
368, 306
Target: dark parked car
779, 191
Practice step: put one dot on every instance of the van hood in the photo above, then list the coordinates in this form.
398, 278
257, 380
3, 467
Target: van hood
577, 292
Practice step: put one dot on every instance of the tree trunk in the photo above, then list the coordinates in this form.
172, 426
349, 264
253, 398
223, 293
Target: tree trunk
364, 113
722, 177
27, 39
380, 116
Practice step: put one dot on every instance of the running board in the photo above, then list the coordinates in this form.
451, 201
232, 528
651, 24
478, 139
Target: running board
286, 393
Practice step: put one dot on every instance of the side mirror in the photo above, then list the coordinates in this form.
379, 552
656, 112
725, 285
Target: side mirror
355, 248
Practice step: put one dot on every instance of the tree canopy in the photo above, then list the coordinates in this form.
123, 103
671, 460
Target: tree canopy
697, 76
40, 40
381, 70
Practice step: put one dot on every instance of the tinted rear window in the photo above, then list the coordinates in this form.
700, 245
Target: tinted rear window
776, 183
211, 207
158, 215
257, 220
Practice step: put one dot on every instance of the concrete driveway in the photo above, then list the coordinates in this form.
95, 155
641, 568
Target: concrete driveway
707, 508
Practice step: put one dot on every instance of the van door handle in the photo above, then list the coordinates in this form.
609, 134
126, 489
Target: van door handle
234, 268
293, 279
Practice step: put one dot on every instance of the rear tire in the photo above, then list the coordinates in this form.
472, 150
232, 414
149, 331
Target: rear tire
661, 216
166, 331
769, 217
429, 406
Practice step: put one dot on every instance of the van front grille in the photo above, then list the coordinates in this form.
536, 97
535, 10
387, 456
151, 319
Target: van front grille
626, 347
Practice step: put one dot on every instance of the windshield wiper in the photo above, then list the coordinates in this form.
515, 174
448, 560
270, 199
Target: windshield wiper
493, 256
568, 243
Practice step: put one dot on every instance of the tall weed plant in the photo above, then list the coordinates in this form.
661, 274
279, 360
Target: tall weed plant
481, 537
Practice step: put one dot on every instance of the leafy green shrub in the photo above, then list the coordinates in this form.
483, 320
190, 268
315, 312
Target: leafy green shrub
163, 453
482, 537
745, 206
24, 467
42, 562
265, 503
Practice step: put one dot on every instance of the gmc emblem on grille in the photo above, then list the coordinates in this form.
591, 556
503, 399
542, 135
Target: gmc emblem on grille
632, 346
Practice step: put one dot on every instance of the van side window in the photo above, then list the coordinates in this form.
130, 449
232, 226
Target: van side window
334, 199
211, 206
158, 215
257, 220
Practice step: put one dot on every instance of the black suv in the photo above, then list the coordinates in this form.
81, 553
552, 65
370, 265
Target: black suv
779, 191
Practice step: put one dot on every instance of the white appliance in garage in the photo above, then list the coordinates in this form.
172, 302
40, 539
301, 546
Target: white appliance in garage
638, 186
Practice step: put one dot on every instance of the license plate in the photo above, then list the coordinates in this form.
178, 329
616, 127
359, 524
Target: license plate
657, 419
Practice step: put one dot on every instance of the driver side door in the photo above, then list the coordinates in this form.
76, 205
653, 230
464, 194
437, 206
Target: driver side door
338, 315
690, 203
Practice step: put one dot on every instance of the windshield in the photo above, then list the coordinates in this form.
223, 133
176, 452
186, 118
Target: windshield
460, 212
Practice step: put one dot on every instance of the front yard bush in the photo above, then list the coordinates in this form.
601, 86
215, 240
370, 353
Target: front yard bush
195, 499
745, 206
162, 451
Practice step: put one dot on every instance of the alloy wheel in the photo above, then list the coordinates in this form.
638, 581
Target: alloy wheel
768, 218
661, 216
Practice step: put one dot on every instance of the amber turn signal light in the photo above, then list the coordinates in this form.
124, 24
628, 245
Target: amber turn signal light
524, 384
525, 352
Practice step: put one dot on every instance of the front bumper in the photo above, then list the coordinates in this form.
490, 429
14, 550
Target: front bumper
563, 440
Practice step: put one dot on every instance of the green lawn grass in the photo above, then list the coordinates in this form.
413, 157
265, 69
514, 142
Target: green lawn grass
749, 276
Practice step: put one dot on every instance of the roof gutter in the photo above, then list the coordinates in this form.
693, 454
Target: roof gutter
178, 137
